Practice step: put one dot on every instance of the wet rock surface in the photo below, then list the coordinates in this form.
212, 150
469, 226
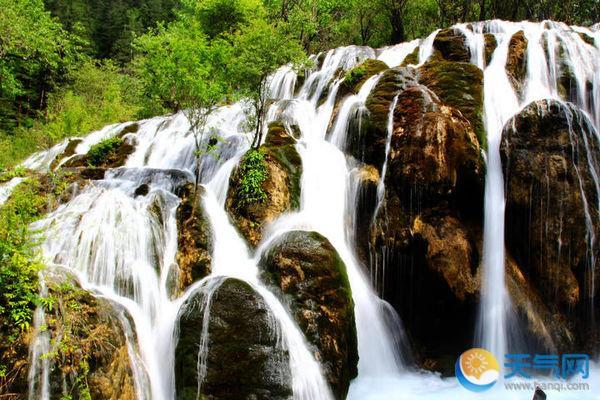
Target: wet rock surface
313, 279
194, 242
516, 63
450, 44
245, 359
549, 156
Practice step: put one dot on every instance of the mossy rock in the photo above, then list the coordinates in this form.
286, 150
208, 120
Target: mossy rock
516, 63
108, 153
279, 190
312, 277
357, 76
131, 128
194, 237
450, 45
435, 155
549, 155
370, 148
412, 58
587, 38
89, 354
459, 85
245, 359
67, 152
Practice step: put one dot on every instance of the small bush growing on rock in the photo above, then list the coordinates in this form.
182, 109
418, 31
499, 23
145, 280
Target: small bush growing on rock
355, 75
253, 173
102, 151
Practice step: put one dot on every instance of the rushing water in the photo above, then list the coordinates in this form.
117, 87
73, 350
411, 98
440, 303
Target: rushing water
123, 247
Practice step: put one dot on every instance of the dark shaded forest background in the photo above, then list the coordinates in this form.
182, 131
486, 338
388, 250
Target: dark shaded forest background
71, 66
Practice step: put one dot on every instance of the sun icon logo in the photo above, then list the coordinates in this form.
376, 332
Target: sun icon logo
477, 370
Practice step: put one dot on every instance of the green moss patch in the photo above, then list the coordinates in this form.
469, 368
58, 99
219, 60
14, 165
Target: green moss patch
459, 85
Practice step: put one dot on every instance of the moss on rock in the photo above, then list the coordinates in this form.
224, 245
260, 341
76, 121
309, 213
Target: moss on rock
354, 78
459, 85
313, 278
490, 46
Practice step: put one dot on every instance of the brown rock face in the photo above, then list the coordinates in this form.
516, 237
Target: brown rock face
245, 359
459, 85
425, 237
309, 272
281, 187
434, 149
89, 355
194, 238
450, 45
516, 63
490, 46
549, 155
448, 251
369, 147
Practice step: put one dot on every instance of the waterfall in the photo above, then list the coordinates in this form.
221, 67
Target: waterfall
123, 248
502, 102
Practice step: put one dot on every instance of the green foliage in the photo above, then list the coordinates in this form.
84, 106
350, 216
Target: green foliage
98, 94
35, 54
180, 69
355, 75
259, 49
19, 265
218, 17
103, 150
253, 173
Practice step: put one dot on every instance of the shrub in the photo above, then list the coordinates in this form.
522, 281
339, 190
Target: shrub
19, 265
355, 75
253, 173
101, 152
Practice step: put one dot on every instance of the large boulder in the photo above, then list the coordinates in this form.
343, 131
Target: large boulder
312, 277
194, 238
549, 155
357, 76
434, 152
245, 359
278, 166
426, 235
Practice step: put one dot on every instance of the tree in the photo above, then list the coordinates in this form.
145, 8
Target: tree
32, 61
218, 17
181, 70
259, 49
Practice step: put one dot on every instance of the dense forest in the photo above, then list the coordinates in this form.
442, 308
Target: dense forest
88, 63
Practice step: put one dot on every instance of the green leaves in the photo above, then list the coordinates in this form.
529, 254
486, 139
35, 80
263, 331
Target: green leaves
253, 173
103, 150
19, 265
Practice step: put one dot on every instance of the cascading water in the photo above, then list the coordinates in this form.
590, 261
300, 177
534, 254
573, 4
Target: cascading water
502, 102
123, 247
